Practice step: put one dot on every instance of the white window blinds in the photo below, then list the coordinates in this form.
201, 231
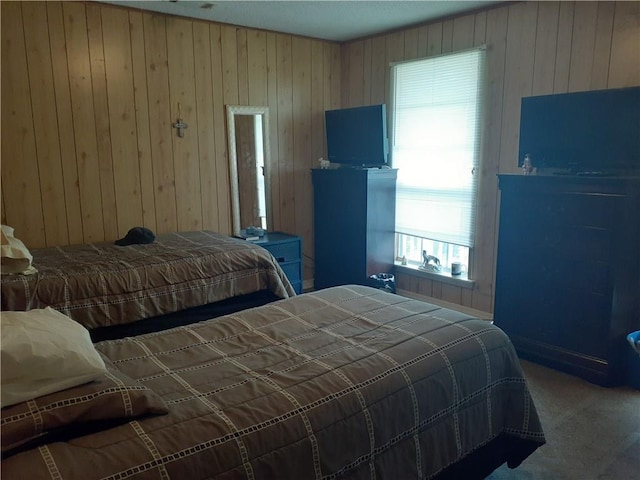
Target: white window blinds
436, 142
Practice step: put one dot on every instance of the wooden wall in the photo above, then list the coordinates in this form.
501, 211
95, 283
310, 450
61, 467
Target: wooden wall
89, 93
533, 48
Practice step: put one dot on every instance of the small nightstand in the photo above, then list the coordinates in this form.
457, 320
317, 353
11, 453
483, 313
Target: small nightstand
287, 250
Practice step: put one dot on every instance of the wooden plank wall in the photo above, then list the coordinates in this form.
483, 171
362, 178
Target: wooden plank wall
533, 48
89, 93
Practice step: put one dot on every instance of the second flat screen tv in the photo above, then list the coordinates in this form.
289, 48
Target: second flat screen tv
596, 131
357, 137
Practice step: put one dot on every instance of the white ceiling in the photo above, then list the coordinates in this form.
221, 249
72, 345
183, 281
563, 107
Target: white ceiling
337, 20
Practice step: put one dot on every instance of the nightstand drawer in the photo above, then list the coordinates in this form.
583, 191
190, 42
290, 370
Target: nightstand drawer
285, 251
292, 271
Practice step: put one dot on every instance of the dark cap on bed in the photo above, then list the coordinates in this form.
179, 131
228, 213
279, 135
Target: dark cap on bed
136, 235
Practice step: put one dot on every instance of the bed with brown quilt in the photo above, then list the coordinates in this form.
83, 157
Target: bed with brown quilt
348, 382
106, 287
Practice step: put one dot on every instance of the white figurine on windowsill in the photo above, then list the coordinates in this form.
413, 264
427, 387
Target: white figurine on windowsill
527, 166
324, 164
430, 263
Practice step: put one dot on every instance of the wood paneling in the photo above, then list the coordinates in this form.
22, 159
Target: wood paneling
223, 188
272, 92
89, 95
563, 47
155, 41
206, 138
65, 131
582, 47
182, 95
624, 64
320, 78
533, 48
141, 104
20, 174
122, 120
45, 123
379, 69
96, 188
481, 267
302, 61
546, 41
602, 47
285, 132
102, 118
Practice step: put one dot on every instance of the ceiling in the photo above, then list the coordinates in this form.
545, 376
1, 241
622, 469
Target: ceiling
335, 20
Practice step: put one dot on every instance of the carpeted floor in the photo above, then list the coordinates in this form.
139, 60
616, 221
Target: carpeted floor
592, 432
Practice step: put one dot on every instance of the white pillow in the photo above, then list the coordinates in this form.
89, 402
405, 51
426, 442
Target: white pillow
44, 351
15, 257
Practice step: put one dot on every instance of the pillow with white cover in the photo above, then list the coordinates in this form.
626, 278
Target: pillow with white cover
15, 257
44, 351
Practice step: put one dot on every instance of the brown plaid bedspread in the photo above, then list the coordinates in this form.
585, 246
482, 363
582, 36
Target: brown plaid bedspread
348, 382
103, 284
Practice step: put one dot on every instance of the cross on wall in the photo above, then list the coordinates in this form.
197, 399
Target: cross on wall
179, 124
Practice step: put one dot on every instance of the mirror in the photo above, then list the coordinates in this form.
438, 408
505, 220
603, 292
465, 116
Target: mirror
249, 161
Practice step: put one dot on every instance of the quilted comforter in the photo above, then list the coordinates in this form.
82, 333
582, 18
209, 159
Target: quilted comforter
348, 382
103, 284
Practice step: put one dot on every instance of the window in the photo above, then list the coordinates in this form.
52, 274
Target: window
436, 122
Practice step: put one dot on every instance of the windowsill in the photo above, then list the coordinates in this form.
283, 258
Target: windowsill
444, 277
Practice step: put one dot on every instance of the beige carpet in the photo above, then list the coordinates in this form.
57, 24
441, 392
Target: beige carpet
592, 432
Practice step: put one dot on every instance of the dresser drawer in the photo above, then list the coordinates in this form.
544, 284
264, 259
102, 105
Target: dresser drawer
575, 243
567, 242
588, 210
525, 311
539, 272
557, 316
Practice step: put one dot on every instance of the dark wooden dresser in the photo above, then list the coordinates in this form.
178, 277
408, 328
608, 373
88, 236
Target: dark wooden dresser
354, 224
567, 278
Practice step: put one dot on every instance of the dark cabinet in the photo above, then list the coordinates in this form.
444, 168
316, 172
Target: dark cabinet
567, 277
354, 224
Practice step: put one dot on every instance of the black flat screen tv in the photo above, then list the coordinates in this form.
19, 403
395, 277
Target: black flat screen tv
357, 137
594, 132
